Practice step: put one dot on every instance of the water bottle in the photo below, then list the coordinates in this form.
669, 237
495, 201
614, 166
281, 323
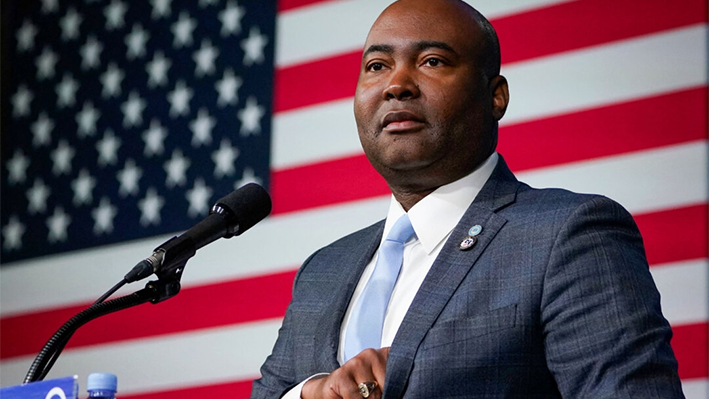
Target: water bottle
102, 385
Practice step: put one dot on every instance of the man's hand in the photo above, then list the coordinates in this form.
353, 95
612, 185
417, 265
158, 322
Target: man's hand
368, 365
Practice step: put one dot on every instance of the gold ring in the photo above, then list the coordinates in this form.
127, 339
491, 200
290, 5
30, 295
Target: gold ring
366, 388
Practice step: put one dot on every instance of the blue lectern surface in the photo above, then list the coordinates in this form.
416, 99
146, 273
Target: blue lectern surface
60, 388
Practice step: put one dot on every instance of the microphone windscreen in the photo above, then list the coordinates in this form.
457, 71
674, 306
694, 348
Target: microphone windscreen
250, 204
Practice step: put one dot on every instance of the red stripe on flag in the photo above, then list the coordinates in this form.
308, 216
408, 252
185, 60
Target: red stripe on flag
579, 24
567, 26
238, 389
676, 234
316, 81
691, 346
238, 301
653, 122
325, 183
287, 5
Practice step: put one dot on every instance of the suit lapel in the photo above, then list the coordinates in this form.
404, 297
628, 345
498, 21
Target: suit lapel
351, 261
446, 274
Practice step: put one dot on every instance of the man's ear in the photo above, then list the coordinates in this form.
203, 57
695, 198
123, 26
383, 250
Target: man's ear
500, 96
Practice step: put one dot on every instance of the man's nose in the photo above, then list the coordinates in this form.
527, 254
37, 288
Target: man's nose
402, 85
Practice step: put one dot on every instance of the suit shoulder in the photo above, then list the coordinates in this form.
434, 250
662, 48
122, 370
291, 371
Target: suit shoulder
555, 208
561, 199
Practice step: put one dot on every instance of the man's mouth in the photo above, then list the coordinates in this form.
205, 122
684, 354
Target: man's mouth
396, 121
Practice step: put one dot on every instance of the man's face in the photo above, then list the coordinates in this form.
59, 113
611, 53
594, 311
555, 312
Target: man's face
422, 106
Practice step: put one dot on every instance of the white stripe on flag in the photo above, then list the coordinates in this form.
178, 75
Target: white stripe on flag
695, 388
681, 286
642, 181
606, 74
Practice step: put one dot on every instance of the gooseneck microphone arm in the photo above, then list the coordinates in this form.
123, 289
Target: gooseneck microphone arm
230, 216
54, 346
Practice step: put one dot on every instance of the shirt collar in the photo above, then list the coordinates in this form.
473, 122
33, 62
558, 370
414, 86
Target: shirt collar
435, 216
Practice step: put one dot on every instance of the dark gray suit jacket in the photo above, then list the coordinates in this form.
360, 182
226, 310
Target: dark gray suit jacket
555, 300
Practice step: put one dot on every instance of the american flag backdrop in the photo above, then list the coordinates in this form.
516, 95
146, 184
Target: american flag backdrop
123, 121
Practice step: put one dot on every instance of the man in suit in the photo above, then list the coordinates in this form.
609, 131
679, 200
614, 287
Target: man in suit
504, 291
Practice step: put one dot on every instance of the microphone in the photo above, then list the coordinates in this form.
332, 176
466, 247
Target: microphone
230, 216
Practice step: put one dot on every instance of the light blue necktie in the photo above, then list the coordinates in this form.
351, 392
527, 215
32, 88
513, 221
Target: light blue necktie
367, 320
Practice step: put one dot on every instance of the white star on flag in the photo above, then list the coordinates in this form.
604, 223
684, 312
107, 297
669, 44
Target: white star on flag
224, 159
128, 178
42, 130
180, 99
107, 149
49, 6
204, 58
161, 8
182, 29
12, 232
198, 197
133, 110
58, 224
21, 101
150, 207
228, 88
103, 216
37, 197
86, 120
91, 53
25, 37
62, 157
83, 187
202, 128
70, 24
45, 63
66, 91
253, 47
157, 70
176, 168
111, 81
115, 13
250, 117
17, 167
154, 138
135, 41
230, 18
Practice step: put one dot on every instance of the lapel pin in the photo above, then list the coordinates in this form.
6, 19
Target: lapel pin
475, 230
467, 243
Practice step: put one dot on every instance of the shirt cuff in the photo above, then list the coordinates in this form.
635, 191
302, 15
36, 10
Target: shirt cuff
294, 393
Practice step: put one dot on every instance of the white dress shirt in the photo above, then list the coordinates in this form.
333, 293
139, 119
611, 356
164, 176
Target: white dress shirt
433, 219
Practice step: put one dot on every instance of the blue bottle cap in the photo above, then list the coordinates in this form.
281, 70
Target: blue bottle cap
102, 381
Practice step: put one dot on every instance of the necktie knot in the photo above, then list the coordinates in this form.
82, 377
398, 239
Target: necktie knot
402, 230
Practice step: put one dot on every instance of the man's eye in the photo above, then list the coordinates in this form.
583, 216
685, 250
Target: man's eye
433, 62
377, 66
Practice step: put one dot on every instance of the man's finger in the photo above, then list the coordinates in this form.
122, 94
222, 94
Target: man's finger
379, 367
